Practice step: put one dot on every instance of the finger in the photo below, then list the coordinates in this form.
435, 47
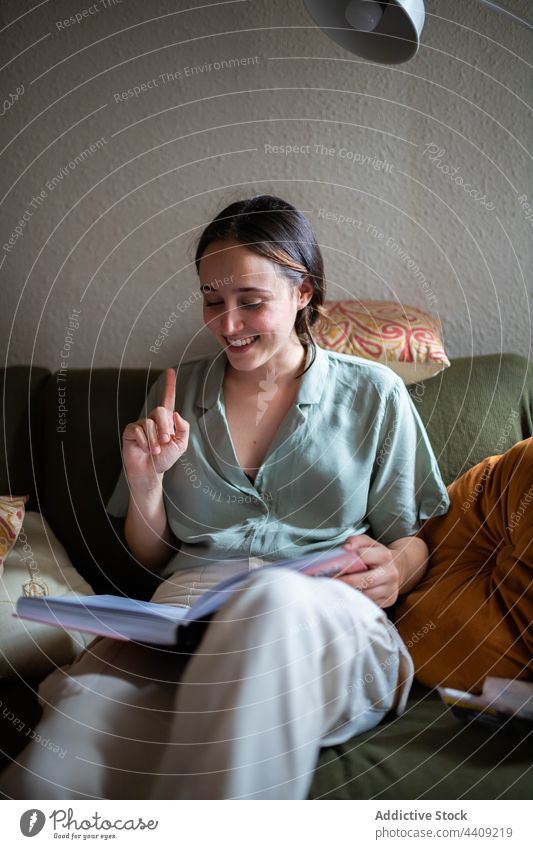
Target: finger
169, 392
140, 438
355, 543
134, 433
381, 597
164, 423
181, 427
358, 582
152, 436
180, 437
377, 577
377, 593
377, 597
374, 557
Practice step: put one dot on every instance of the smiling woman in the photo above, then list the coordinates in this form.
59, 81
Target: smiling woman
280, 448
265, 244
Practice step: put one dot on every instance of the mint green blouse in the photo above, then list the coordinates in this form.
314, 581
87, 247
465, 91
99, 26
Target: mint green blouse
350, 457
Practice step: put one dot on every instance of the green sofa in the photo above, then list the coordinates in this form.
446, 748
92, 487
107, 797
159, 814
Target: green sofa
477, 407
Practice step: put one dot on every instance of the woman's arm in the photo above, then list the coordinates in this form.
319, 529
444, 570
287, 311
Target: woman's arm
146, 528
150, 447
391, 570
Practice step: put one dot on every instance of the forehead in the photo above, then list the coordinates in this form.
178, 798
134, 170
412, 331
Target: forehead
229, 265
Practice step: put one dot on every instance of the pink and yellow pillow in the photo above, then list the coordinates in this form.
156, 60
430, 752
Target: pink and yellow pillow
406, 339
11, 518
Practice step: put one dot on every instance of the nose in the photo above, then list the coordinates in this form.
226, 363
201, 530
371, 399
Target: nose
230, 322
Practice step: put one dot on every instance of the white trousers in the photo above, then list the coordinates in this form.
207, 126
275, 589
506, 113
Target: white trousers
288, 665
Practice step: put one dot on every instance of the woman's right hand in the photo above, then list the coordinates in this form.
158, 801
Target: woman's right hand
151, 446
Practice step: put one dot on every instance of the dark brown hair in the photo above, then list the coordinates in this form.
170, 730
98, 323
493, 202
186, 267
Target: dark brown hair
275, 229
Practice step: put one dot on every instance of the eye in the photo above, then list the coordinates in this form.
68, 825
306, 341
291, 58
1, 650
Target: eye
253, 306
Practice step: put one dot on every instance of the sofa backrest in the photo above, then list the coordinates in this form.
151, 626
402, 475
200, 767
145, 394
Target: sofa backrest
81, 463
21, 417
477, 407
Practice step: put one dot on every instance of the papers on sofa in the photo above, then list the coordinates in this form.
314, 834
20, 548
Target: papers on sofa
503, 702
143, 621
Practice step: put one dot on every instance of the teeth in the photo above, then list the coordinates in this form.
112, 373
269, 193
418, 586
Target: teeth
238, 343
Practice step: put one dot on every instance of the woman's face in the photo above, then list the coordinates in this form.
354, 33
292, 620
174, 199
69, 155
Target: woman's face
249, 306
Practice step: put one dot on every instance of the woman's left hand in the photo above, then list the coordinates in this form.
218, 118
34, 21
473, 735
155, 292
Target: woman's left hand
381, 581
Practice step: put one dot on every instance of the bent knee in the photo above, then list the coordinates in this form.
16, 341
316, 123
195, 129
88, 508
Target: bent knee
522, 451
517, 464
285, 592
274, 590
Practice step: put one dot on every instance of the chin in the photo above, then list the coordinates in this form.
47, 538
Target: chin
248, 361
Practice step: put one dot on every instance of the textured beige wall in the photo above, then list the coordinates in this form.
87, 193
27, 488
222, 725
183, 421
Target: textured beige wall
111, 235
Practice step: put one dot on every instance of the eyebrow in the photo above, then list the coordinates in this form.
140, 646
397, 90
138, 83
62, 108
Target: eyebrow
207, 288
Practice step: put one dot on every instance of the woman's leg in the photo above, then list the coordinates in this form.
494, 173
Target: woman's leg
290, 663
471, 615
109, 714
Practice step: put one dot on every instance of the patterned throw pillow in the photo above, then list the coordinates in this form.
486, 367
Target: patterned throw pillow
11, 518
407, 339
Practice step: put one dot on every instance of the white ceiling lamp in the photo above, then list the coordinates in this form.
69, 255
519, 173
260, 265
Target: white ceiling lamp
387, 32
383, 32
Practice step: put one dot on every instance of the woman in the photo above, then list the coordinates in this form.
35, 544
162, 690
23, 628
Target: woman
269, 449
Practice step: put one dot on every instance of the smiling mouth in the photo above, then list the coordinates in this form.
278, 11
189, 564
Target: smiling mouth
243, 342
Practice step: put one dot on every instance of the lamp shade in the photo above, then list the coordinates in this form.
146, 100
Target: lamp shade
385, 32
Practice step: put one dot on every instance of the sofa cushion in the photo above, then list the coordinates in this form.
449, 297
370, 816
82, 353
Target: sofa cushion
407, 339
426, 753
37, 565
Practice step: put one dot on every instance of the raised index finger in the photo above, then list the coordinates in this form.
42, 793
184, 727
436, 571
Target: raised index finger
169, 392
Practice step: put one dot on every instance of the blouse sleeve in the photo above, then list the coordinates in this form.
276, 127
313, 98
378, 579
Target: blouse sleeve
406, 487
118, 503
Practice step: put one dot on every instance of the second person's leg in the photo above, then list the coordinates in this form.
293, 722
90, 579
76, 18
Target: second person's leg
471, 614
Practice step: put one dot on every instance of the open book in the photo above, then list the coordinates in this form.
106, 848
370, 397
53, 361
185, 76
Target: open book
148, 622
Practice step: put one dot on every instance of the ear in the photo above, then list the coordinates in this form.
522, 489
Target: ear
305, 292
